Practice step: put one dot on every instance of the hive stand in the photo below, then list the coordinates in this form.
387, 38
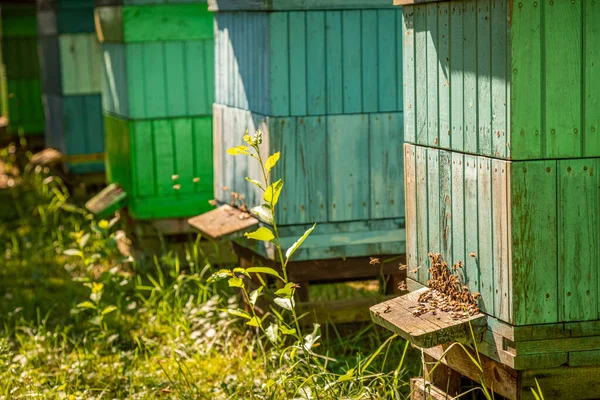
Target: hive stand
311, 78
501, 162
71, 71
21, 111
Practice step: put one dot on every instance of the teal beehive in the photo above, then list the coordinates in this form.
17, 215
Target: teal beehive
312, 78
71, 83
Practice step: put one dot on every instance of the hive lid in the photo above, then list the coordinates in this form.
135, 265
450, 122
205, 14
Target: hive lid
415, 2
224, 223
109, 200
46, 157
425, 330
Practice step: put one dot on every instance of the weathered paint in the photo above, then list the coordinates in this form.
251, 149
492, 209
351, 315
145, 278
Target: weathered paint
521, 88
531, 228
303, 63
157, 163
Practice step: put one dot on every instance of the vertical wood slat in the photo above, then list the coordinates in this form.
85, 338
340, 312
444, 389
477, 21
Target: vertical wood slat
562, 66
456, 77
410, 190
422, 214
484, 67
297, 63
499, 78
369, 51
591, 59
578, 239
501, 243
432, 75
485, 256
470, 76
458, 212
420, 29
446, 211
351, 62
388, 80
444, 74
317, 54
409, 64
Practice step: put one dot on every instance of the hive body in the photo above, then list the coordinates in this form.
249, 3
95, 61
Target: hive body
158, 89
21, 99
501, 164
71, 72
317, 80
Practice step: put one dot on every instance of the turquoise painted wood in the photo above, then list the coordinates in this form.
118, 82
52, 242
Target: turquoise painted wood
300, 63
157, 93
71, 83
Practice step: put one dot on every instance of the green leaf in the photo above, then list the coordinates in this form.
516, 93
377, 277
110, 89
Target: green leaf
264, 270
236, 282
220, 275
239, 313
287, 331
87, 304
254, 295
285, 291
236, 151
271, 195
272, 161
261, 233
241, 271
263, 212
272, 333
248, 139
255, 183
84, 239
108, 310
255, 321
348, 376
298, 243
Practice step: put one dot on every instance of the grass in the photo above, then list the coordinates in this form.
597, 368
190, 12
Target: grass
78, 319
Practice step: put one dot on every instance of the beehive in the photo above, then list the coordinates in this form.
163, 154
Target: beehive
157, 91
21, 100
501, 171
71, 71
322, 83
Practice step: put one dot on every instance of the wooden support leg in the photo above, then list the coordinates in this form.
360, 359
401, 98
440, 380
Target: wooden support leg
442, 376
421, 389
303, 292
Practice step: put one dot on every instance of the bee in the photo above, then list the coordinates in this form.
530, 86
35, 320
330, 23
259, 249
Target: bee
402, 287
388, 309
175, 177
374, 261
295, 286
472, 254
176, 187
212, 202
196, 180
403, 267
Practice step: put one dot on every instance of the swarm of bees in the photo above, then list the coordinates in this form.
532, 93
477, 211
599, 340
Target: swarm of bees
446, 293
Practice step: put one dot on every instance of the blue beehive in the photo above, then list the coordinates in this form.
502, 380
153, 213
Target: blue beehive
71, 68
323, 84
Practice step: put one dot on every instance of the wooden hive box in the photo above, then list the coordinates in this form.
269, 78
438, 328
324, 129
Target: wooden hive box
312, 77
21, 99
501, 173
71, 71
157, 92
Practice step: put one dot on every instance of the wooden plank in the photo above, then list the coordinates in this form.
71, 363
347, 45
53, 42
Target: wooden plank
456, 76
109, 200
224, 223
316, 52
116, 81
422, 215
584, 358
420, 389
369, 63
351, 62
484, 84
421, 103
202, 154
533, 210
443, 51
335, 87
458, 212
500, 85
526, 83
577, 240
264, 5
485, 256
385, 166
183, 143
410, 190
591, 90
471, 268
562, 67
298, 63
218, 152
433, 200
348, 198
497, 377
433, 128
563, 383
408, 62
426, 330
279, 64
445, 213
144, 159
501, 243
388, 57
470, 76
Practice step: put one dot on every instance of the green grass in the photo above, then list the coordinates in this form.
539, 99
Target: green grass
93, 324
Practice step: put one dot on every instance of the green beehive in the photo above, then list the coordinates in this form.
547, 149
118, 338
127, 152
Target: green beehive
21, 100
501, 162
157, 94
